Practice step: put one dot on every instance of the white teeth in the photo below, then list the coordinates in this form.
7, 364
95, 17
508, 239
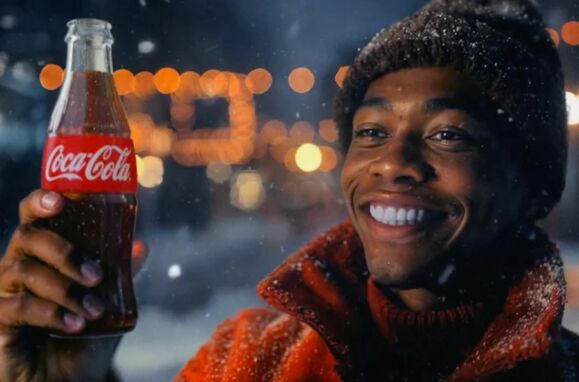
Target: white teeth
380, 213
401, 215
396, 217
390, 214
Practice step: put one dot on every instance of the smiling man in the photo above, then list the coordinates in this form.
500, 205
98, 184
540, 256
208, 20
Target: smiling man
453, 125
423, 175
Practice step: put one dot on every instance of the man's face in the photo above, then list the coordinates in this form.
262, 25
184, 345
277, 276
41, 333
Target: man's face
426, 183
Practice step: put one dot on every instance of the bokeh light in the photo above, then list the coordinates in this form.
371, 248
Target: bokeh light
51, 76
206, 82
572, 108
152, 174
182, 112
139, 254
247, 192
258, 81
554, 36
161, 141
570, 32
174, 271
279, 149
301, 80
167, 80
233, 145
273, 130
140, 168
259, 147
146, 46
308, 157
301, 132
189, 85
341, 75
124, 81
290, 160
328, 130
329, 159
144, 84
237, 88
221, 84
141, 126
218, 172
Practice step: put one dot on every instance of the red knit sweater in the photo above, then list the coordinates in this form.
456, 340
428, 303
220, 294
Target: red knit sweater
332, 323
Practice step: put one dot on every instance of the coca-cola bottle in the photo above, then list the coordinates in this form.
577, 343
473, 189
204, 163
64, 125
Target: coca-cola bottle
89, 158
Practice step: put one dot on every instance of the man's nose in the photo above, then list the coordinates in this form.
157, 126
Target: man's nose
401, 163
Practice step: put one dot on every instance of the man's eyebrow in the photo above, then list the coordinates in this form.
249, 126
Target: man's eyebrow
444, 103
379, 102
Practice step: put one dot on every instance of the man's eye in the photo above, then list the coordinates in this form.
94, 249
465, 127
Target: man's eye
449, 135
370, 133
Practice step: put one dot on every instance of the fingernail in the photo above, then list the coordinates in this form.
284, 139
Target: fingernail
49, 200
73, 322
91, 271
93, 305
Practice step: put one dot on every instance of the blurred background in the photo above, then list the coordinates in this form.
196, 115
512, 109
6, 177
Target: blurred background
230, 106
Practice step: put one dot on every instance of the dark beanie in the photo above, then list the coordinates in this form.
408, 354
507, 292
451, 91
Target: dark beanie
504, 47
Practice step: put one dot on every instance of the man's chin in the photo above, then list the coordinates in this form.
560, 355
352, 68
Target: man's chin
402, 282
410, 276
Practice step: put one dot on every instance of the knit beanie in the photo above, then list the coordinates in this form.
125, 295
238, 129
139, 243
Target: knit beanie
504, 47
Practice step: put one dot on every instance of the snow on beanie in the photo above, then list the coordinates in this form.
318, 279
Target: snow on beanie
504, 47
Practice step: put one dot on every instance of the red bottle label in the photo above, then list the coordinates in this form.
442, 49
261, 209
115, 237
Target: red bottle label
89, 163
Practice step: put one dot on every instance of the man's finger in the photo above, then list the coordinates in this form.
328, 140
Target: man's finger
25, 309
39, 204
53, 250
27, 274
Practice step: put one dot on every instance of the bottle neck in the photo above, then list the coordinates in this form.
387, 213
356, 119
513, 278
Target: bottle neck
86, 54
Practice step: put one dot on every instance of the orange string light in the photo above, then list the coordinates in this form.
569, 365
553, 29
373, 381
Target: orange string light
301, 80
301, 132
273, 130
554, 36
258, 81
279, 150
260, 147
570, 32
206, 82
124, 81
181, 112
221, 84
144, 85
51, 76
329, 159
290, 160
189, 85
328, 130
341, 75
167, 80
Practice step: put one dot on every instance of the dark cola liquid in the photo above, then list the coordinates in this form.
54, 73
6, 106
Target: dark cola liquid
101, 228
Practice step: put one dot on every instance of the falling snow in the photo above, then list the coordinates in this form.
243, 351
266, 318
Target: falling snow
174, 271
443, 278
146, 46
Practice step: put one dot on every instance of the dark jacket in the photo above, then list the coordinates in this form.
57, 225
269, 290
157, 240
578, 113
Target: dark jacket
330, 322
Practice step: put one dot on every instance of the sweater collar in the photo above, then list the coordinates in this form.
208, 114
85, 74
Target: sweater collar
325, 284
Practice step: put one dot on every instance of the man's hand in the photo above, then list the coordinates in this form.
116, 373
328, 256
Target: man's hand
37, 275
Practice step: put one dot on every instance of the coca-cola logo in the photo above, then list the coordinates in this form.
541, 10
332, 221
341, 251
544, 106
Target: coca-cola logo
109, 162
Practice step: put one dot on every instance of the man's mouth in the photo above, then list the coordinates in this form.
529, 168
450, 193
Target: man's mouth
401, 223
